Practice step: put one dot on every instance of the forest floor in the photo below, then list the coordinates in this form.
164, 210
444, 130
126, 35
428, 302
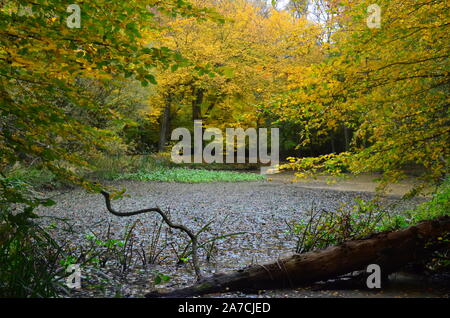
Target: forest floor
259, 210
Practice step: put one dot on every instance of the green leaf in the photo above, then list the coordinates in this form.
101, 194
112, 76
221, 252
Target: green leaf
151, 79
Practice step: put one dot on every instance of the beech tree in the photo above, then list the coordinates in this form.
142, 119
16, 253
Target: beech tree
389, 85
42, 58
234, 67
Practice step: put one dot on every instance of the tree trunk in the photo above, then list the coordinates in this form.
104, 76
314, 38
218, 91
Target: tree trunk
333, 145
197, 105
346, 138
165, 123
390, 250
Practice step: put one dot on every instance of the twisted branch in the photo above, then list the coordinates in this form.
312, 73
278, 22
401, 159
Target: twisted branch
166, 219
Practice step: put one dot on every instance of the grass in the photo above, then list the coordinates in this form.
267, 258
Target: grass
325, 228
29, 258
438, 206
106, 166
38, 177
189, 176
28, 253
156, 167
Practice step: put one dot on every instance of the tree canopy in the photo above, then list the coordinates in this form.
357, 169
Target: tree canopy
315, 69
388, 85
43, 62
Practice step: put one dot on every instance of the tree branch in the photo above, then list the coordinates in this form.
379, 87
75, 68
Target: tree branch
166, 219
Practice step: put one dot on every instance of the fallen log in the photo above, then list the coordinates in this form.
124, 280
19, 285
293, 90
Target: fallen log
390, 250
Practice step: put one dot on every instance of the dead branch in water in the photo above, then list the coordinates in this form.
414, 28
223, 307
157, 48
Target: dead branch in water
167, 220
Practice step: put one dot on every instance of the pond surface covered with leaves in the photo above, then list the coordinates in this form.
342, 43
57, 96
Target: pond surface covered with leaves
241, 224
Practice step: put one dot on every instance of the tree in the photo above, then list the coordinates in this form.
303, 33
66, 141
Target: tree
43, 62
58, 103
388, 84
234, 67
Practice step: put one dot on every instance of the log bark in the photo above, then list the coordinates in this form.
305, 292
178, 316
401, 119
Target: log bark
390, 250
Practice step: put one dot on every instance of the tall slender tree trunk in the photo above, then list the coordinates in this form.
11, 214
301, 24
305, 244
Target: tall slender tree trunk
197, 104
165, 124
197, 115
347, 138
333, 145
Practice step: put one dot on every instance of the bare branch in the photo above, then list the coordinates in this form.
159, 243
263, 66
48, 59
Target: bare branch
166, 219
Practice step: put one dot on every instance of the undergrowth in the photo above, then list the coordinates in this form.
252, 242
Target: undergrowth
321, 228
189, 175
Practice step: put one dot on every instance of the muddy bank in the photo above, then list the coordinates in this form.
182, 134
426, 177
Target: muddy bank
361, 183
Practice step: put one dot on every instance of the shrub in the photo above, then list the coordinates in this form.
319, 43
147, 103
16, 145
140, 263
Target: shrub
38, 177
325, 228
28, 254
437, 207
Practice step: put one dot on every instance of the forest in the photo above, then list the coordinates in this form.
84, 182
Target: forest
224, 148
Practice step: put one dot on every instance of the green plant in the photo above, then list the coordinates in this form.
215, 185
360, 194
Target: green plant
160, 278
107, 249
438, 206
154, 250
189, 175
29, 256
33, 176
323, 228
